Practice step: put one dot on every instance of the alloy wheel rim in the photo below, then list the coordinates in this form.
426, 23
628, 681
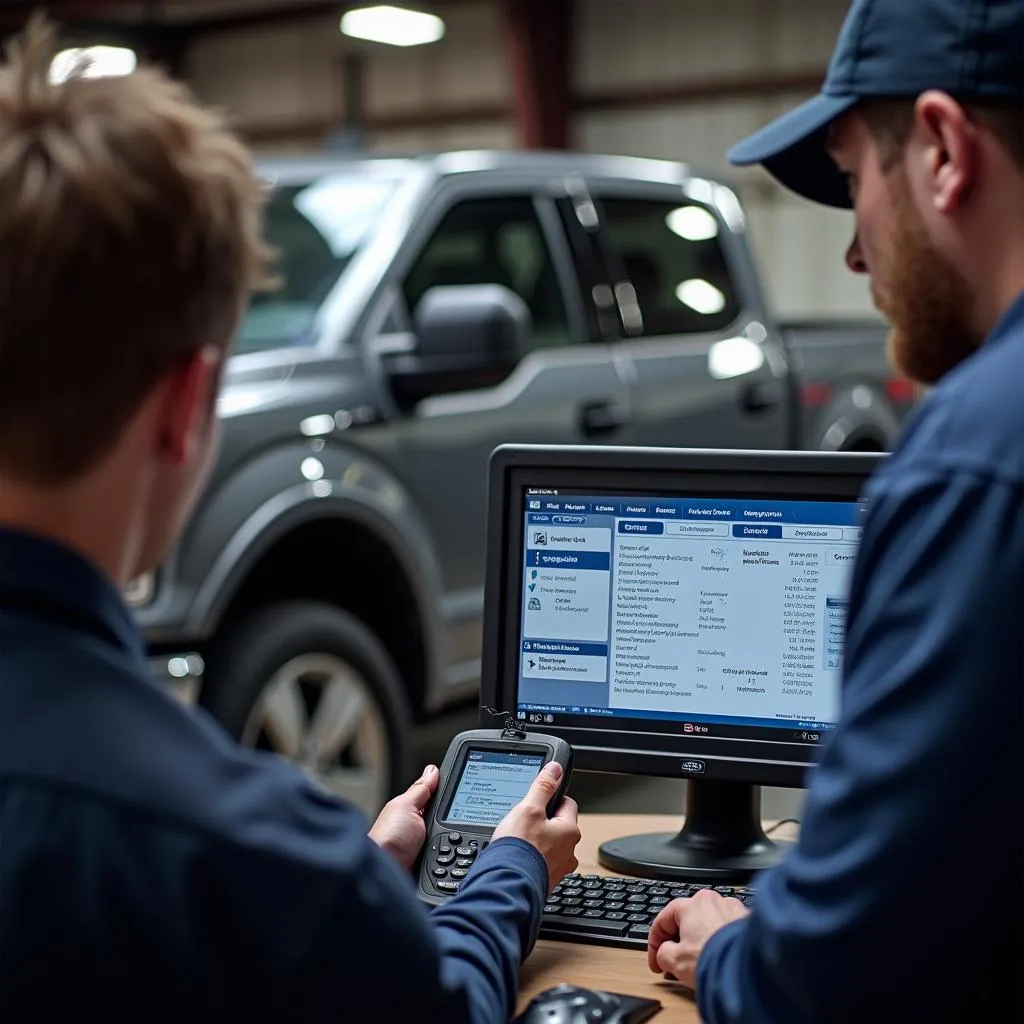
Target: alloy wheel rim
319, 712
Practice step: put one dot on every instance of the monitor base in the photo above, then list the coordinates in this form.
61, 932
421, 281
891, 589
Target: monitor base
656, 855
722, 841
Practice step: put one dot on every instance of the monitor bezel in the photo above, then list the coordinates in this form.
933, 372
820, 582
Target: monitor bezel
811, 476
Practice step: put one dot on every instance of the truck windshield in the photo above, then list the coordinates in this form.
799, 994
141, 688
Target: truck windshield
316, 230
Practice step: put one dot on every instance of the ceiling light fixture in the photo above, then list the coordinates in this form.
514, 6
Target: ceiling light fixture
92, 62
395, 26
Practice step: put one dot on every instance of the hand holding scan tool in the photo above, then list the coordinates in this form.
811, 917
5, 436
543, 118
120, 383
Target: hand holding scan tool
495, 784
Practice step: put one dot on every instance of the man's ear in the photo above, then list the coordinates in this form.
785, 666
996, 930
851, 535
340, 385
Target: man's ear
949, 144
187, 403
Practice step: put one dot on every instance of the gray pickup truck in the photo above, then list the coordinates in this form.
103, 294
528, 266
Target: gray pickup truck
328, 591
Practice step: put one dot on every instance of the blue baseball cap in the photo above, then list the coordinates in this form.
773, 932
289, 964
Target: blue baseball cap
971, 49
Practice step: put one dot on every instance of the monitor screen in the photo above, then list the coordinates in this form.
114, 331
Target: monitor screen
677, 613
710, 616
491, 784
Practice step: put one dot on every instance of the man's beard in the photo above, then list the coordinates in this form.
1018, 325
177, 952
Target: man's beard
926, 299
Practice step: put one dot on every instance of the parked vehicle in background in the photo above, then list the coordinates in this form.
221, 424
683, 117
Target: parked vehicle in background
850, 398
329, 590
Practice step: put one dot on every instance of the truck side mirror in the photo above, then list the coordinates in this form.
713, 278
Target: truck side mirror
466, 337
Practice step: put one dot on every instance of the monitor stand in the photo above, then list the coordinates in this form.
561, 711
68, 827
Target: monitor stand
721, 842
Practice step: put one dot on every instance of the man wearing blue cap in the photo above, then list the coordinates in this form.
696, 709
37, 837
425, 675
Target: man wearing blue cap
902, 900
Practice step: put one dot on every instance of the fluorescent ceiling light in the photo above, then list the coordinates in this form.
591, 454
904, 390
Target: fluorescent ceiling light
396, 26
701, 296
92, 62
693, 223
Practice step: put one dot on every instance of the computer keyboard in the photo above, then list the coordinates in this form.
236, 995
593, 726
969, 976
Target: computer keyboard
607, 910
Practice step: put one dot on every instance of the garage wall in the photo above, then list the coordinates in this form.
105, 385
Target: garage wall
279, 79
732, 42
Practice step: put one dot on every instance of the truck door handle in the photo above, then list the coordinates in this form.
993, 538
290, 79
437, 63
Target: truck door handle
762, 396
605, 417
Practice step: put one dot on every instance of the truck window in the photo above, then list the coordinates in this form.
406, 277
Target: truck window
672, 255
316, 229
495, 241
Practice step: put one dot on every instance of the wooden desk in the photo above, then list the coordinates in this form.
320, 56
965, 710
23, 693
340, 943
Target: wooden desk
604, 967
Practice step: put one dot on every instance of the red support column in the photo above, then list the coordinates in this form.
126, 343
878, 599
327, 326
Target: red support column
539, 40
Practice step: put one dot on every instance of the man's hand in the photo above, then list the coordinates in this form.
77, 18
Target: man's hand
556, 837
400, 828
683, 927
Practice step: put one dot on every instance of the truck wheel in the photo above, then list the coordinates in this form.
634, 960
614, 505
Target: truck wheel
313, 684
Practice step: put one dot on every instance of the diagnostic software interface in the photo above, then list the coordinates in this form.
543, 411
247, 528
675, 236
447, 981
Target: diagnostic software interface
724, 615
491, 784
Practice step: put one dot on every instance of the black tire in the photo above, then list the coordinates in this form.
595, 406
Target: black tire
251, 650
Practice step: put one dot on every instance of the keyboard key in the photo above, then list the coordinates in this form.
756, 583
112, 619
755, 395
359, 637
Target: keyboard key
593, 913
464, 862
439, 872
552, 909
614, 905
659, 891
593, 903
454, 838
639, 931
638, 918
572, 892
466, 851
444, 850
572, 901
448, 886
592, 885
572, 912
446, 859
459, 872
615, 915
725, 890
658, 902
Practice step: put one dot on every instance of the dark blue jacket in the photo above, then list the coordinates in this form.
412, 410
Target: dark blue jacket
905, 888
147, 862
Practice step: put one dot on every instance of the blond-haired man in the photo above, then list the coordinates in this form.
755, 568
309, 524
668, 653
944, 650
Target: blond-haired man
145, 861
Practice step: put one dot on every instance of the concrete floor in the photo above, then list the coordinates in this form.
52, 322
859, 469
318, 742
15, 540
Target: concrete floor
598, 792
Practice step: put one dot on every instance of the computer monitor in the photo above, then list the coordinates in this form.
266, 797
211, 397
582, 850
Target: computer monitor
676, 613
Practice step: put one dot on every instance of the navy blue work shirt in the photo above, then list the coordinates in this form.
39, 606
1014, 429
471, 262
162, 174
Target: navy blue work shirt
147, 862
904, 891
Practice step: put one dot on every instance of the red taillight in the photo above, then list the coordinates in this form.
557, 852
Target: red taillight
901, 391
814, 396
